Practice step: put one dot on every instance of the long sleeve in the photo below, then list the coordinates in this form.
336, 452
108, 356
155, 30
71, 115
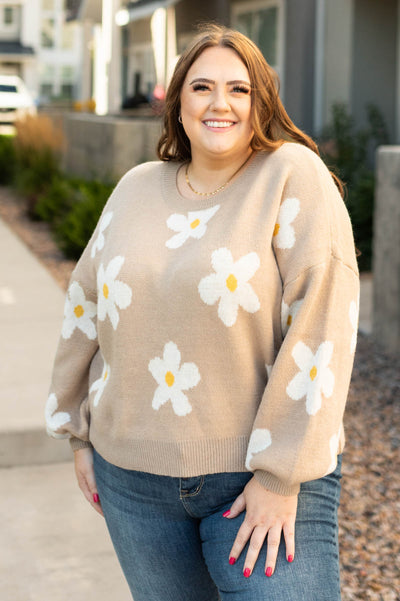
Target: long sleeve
66, 413
298, 429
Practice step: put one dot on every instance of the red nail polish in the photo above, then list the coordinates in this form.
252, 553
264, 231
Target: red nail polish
268, 572
232, 560
96, 497
290, 558
247, 572
226, 513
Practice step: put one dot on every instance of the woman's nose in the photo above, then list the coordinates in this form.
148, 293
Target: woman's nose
220, 101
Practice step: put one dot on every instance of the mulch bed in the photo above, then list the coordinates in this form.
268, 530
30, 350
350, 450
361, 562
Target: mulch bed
370, 503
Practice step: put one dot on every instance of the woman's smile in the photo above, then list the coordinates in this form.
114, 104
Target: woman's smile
220, 126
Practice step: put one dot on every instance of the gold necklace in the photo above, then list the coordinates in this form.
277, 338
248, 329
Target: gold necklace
220, 188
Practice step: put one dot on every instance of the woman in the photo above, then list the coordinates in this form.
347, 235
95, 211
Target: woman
209, 392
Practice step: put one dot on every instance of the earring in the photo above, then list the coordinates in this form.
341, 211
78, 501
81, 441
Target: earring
180, 119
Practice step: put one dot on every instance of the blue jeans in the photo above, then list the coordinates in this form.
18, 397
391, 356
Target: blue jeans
173, 543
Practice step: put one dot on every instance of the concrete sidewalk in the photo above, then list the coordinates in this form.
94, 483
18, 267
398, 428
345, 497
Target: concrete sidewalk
30, 323
53, 545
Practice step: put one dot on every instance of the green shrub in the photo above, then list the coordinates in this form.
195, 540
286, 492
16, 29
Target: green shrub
55, 203
350, 154
33, 180
74, 230
7, 160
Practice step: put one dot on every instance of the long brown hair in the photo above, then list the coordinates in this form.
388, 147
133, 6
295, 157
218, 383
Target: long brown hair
271, 124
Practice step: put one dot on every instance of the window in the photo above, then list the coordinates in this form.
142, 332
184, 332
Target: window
8, 88
47, 33
47, 79
260, 21
67, 81
68, 31
8, 15
46, 91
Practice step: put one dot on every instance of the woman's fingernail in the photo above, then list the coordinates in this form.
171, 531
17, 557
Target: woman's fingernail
96, 497
290, 558
232, 560
268, 572
226, 513
247, 572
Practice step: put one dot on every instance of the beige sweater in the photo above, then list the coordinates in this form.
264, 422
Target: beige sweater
217, 334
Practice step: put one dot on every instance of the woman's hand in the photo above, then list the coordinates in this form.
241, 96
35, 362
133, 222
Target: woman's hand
85, 474
267, 513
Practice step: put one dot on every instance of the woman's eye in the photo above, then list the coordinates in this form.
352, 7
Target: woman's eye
200, 87
241, 89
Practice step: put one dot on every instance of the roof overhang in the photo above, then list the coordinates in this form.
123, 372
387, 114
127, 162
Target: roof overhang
15, 50
142, 9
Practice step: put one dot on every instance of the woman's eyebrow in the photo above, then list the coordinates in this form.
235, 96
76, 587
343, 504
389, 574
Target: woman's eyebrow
233, 82
238, 81
201, 80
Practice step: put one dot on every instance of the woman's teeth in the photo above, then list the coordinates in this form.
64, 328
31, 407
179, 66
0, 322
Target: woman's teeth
218, 123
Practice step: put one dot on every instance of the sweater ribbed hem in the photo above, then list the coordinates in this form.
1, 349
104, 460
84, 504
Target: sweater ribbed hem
180, 459
271, 482
77, 444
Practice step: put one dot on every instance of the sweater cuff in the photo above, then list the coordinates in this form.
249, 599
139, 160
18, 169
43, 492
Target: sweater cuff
77, 443
271, 482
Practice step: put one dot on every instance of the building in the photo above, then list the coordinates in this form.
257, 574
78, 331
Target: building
39, 45
325, 51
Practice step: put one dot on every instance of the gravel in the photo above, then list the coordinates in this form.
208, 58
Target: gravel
370, 504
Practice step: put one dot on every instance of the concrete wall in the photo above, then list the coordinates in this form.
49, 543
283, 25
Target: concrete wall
386, 258
108, 147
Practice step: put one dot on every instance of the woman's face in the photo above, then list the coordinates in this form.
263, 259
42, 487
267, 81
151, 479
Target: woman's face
216, 106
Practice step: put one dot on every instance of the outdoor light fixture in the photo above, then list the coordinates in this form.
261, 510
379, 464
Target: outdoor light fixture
122, 17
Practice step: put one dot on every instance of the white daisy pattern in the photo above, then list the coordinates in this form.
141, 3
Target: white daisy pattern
229, 284
288, 313
172, 379
315, 377
283, 235
353, 316
112, 293
55, 419
333, 447
260, 440
78, 313
192, 226
99, 385
98, 244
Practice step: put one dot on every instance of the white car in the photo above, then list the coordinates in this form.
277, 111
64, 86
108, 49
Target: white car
15, 99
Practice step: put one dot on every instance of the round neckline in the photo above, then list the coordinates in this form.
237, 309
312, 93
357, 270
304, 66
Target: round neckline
174, 197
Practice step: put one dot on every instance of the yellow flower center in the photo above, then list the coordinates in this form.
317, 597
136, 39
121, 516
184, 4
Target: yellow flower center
169, 378
79, 311
231, 282
105, 376
313, 373
276, 229
105, 290
195, 223
289, 320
